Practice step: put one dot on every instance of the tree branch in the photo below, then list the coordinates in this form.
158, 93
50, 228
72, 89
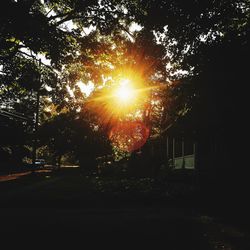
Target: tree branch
127, 31
38, 60
61, 15
11, 53
49, 11
68, 18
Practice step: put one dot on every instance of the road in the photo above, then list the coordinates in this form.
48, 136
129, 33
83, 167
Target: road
21, 173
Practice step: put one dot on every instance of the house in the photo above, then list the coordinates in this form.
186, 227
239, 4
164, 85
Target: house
176, 146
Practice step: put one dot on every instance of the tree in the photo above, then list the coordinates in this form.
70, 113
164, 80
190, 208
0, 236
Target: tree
34, 29
174, 36
71, 132
14, 136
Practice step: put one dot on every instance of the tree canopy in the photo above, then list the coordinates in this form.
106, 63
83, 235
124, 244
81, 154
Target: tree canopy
188, 53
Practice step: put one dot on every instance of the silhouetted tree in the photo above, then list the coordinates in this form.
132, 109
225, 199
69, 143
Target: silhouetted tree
72, 133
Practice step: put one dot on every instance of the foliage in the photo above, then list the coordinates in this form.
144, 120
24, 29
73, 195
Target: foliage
207, 39
71, 133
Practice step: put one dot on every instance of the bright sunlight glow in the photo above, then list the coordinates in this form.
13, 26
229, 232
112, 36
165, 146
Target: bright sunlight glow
125, 92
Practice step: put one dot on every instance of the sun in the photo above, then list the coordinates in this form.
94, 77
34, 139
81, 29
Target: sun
123, 98
125, 93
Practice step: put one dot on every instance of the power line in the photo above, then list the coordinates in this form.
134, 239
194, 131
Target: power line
13, 112
12, 115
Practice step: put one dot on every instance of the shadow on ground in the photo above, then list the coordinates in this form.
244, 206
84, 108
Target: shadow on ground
66, 208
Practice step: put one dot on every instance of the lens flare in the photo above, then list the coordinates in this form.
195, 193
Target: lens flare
129, 136
125, 98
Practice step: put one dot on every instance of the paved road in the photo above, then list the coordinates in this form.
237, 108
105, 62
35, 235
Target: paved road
21, 173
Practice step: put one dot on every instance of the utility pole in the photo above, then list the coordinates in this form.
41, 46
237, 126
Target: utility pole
34, 153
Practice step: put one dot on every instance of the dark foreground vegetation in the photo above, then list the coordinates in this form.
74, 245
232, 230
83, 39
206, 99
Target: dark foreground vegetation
66, 207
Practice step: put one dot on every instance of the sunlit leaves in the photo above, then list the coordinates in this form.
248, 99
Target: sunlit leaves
129, 136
